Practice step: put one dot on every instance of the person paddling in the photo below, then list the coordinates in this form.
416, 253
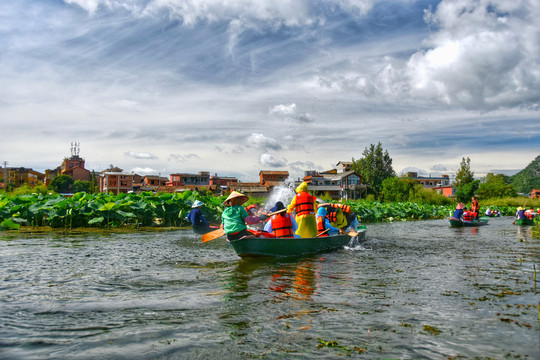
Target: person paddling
195, 215
234, 216
282, 225
324, 228
458, 213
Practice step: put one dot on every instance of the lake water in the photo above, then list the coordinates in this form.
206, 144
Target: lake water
413, 290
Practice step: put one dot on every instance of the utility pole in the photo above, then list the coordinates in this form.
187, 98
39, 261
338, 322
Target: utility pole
5, 172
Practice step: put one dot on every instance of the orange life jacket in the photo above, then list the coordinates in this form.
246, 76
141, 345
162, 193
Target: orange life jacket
468, 216
320, 225
282, 226
346, 208
304, 204
331, 213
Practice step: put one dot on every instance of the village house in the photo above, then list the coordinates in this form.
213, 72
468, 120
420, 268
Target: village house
19, 176
341, 183
115, 182
535, 194
223, 181
154, 181
74, 165
439, 184
182, 179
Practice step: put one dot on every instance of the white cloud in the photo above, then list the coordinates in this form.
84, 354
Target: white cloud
268, 161
262, 142
141, 155
289, 112
484, 55
283, 110
144, 171
182, 158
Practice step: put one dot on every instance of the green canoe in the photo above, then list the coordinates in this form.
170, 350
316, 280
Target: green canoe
460, 223
279, 247
525, 222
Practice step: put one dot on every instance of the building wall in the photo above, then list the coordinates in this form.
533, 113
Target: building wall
273, 176
116, 183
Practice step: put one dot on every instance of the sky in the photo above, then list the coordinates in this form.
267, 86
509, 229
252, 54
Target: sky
239, 86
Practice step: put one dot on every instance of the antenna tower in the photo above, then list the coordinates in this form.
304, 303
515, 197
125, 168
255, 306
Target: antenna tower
75, 148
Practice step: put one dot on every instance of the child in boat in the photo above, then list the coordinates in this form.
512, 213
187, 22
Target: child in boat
323, 223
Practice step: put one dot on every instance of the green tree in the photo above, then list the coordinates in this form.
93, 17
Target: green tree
465, 185
396, 189
495, 186
528, 178
61, 184
465, 192
94, 183
464, 174
82, 186
374, 167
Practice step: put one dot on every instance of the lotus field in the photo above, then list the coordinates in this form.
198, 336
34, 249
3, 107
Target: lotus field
168, 210
103, 210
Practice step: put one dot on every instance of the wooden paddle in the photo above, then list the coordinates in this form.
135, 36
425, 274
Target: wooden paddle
276, 212
212, 235
352, 233
323, 232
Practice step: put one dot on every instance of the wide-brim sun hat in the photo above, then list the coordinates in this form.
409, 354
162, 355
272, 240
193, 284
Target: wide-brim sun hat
197, 203
235, 195
520, 208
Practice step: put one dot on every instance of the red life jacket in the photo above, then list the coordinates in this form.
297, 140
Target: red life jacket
282, 226
468, 216
320, 225
304, 204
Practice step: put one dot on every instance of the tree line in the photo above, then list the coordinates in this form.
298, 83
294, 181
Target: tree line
382, 183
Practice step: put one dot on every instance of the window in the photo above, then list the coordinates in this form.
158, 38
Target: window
353, 180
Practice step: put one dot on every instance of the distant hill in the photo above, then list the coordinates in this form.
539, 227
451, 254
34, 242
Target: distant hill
528, 178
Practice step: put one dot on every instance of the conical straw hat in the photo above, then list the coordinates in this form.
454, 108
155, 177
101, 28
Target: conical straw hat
235, 195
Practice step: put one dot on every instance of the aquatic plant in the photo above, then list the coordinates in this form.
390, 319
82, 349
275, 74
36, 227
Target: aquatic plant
103, 210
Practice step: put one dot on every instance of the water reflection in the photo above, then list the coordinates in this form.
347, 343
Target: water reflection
299, 282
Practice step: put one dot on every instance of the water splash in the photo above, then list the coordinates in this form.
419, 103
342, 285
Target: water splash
354, 245
284, 192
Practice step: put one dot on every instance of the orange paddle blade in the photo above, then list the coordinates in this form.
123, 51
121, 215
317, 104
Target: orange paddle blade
212, 235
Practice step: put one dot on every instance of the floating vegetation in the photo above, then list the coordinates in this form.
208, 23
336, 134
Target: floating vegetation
335, 344
432, 330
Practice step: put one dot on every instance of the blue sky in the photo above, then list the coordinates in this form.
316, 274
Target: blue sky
166, 86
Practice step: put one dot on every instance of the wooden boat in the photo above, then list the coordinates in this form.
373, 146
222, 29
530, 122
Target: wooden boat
460, 223
524, 221
281, 247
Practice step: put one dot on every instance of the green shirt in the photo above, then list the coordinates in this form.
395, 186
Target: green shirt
233, 219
